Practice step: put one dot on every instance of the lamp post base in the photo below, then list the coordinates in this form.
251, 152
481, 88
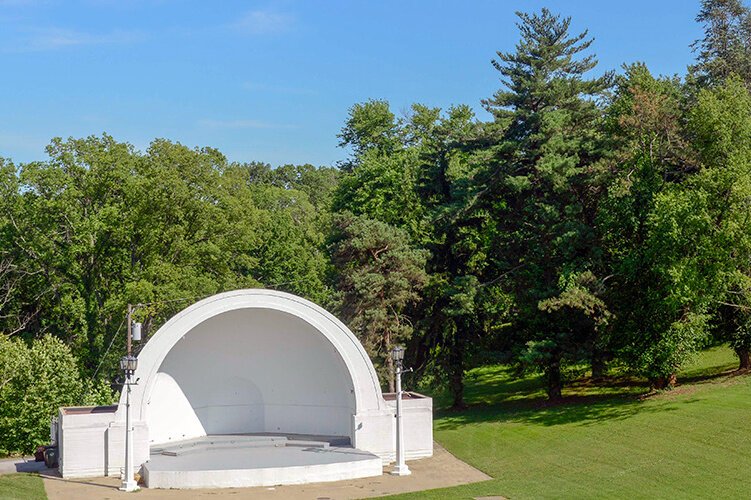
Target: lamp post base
401, 470
129, 486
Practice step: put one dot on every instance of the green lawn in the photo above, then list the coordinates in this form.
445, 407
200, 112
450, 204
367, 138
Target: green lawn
605, 442
22, 486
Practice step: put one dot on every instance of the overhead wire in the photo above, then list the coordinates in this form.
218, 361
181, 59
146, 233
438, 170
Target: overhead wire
166, 301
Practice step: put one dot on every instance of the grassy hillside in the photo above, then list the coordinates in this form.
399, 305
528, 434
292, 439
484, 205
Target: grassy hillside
606, 442
609, 441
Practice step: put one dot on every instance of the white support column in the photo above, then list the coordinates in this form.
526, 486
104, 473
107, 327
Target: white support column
400, 469
129, 482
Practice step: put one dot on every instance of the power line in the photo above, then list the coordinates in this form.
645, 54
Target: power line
166, 301
108, 348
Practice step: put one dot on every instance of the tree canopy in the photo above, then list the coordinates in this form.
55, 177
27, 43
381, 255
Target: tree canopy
591, 220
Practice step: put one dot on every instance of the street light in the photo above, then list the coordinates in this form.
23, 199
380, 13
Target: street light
128, 365
400, 469
397, 353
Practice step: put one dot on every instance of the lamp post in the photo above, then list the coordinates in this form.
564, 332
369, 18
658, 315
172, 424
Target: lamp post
400, 469
128, 365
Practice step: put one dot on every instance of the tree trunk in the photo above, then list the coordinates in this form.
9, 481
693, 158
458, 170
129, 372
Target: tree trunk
668, 382
598, 365
390, 368
744, 357
554, 379
456, 375
457, 389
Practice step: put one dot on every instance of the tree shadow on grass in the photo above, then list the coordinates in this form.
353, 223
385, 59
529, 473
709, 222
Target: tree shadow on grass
496, 396
578, 409
719, 374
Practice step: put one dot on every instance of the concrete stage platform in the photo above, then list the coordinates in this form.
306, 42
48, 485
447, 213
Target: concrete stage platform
256, 460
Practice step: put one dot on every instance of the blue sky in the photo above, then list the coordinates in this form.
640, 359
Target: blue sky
272, 81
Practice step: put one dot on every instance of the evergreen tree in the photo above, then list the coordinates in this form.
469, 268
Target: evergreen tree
725, 48
462, 303
540, 188
379, 276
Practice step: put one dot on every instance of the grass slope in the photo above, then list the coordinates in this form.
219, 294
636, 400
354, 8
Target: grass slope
22, 486
606, 441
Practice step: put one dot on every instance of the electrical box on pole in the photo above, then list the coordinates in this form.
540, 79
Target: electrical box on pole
136, 332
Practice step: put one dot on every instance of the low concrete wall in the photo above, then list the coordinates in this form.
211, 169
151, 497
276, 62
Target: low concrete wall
91, 443
116, 446
418, 424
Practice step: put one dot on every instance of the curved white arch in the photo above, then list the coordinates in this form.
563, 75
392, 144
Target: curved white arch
364, 380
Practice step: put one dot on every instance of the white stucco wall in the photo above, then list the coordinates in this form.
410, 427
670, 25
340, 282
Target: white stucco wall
251, 370
295, 320
92, 444
247, 361
418, 426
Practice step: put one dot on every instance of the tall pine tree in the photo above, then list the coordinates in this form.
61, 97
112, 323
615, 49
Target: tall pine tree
542, 189
725, 48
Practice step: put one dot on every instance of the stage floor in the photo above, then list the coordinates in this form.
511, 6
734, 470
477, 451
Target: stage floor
255, 460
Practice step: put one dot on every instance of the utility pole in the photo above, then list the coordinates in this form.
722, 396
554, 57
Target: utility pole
128, 364
130, 329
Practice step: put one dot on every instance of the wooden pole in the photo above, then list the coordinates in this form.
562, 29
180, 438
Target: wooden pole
130, 312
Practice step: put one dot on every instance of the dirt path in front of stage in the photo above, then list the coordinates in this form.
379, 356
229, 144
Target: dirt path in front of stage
440, 471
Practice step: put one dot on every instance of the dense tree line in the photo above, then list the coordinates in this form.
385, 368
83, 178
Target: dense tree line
597, 219
594, 221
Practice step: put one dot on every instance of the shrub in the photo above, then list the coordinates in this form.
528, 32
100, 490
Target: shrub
34, 382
